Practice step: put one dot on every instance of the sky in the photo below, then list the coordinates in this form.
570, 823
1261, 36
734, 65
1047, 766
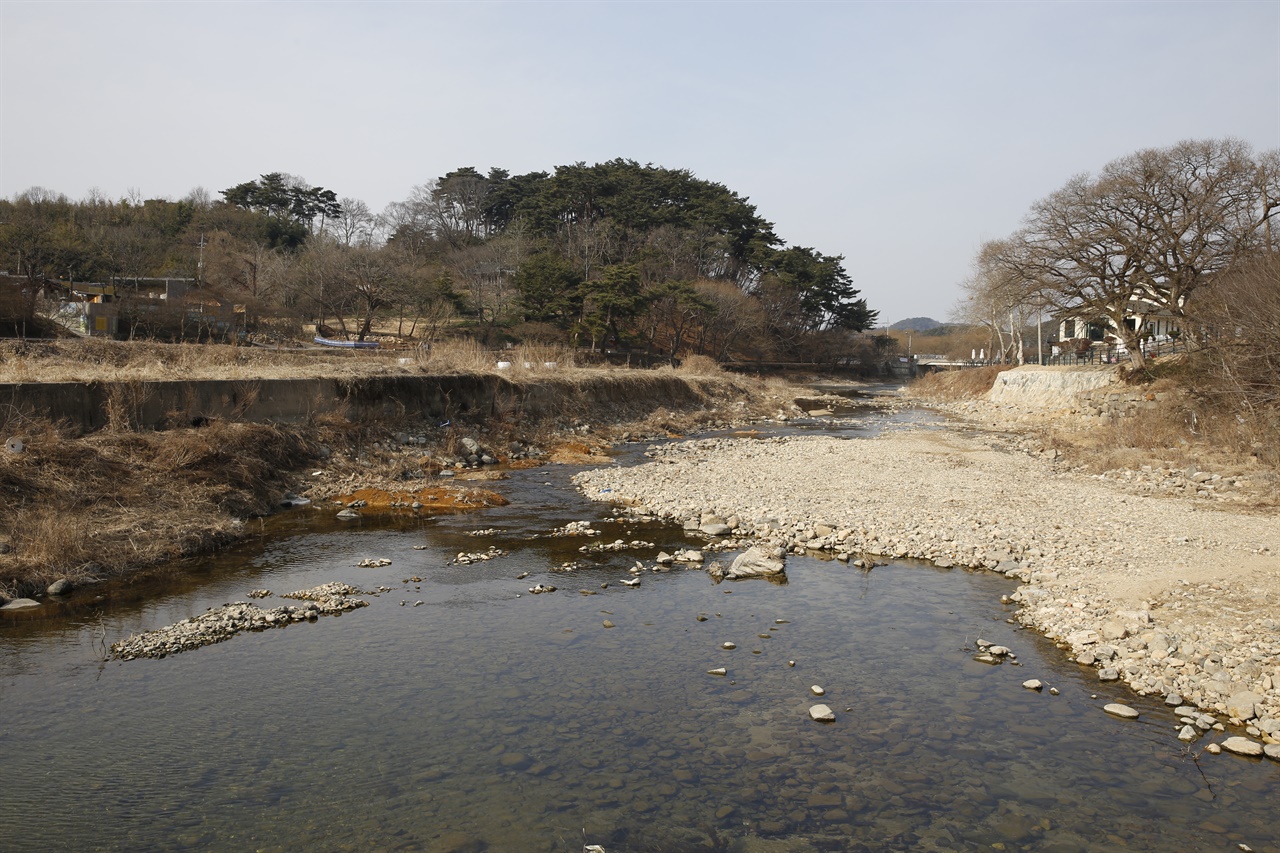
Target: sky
900, 135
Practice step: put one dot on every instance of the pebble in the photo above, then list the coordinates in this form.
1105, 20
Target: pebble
1033, 684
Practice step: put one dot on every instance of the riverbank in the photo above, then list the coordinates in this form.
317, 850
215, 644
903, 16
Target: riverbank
1177, 596
81, 507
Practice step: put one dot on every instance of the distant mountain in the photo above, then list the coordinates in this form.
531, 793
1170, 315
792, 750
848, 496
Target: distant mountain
915, 324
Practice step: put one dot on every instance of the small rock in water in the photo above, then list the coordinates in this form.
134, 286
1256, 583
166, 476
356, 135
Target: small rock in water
608, 624
1188, 733
1033, 684
818, 691
718, 671
729, 646
1213, 749
822, 714
1109, 674
61, 586
1124, 712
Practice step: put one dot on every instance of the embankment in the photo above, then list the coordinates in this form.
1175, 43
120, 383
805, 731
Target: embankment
142, 404
104, 479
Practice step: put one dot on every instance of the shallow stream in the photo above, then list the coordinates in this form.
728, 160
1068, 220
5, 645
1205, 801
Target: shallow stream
487, 718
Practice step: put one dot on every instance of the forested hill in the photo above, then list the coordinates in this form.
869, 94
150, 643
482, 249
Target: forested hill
616, 254
915, 324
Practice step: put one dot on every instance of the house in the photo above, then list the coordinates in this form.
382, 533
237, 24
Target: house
1154, 322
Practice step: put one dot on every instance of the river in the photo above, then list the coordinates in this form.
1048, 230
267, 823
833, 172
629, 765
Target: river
487, 718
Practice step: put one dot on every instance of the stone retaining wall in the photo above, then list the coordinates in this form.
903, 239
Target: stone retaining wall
1085, 390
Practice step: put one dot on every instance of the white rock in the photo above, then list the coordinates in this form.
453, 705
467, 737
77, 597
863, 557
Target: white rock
1240, 705
822, 714
1124, 712
1242, 746
717, 671
1033, 684
753, 563
817, 691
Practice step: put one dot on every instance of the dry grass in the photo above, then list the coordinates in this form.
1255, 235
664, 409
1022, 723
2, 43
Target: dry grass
114, 500
466, 356
965, 384
101, 360
699, 365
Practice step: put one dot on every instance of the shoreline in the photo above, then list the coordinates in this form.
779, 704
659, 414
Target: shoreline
1175, 596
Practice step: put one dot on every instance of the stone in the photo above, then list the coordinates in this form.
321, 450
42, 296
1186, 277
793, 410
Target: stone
1173, 699
608, 624
62, 586
755, 562
1109, 673
1188, 733
1114, 631
1213, 749
817, 691
718, 671
1241, 705
348, 514
1242, 746
728, 646
1124, 712
716, 529
20, 604
1272, 750
1083, 638
822, 714
1033, 684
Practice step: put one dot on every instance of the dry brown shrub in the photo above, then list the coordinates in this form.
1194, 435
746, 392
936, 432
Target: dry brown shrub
457, 356
700, 365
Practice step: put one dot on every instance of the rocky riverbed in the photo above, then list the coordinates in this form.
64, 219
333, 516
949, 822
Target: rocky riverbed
1172, 594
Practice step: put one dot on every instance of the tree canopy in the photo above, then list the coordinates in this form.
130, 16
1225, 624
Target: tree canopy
615, 254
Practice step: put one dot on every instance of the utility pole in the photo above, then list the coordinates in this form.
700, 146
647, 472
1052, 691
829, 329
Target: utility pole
200, 262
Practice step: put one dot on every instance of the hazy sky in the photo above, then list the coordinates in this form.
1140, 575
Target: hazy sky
900, 135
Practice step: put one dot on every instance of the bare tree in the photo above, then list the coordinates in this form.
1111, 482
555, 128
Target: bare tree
355, 224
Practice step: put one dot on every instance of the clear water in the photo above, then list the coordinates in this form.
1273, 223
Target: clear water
491, 719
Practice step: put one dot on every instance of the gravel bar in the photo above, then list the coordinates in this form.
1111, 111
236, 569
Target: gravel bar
1174, 596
